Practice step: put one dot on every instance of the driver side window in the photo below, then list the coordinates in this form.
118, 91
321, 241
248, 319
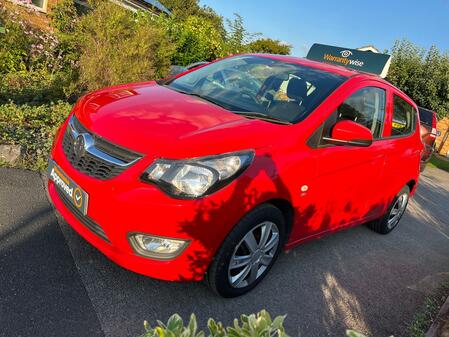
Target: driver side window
365, 107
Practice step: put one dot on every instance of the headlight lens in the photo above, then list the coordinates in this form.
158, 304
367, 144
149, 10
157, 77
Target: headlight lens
197, 177
156, 247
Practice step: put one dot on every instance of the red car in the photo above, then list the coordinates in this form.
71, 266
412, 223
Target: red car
428, 129
212, 173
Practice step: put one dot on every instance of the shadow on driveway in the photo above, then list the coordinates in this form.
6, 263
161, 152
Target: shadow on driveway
353, 279
41, 293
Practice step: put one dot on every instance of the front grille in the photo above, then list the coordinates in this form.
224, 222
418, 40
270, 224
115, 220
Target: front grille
96, 165
84, 219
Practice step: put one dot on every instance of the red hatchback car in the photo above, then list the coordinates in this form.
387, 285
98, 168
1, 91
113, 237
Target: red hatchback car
212, 173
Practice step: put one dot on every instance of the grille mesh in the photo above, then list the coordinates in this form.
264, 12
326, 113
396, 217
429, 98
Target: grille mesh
93, 165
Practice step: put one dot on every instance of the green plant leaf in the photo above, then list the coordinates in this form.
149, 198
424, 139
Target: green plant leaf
175, 323
352, 333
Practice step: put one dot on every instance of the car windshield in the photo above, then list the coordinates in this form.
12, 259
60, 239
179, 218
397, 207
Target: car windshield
260, 87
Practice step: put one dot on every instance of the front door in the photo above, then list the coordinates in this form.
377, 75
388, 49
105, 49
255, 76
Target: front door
350, 177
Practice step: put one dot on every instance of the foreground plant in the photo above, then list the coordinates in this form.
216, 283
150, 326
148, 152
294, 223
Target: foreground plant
352, 333
255, 325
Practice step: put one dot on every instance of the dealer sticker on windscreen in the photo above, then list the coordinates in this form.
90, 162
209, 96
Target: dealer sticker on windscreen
73, 192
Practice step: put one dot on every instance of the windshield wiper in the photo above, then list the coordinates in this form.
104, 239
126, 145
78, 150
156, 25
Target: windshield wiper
199, 96
261, 116
206, 98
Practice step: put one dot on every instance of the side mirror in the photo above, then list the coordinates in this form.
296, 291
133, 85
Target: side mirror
350, 133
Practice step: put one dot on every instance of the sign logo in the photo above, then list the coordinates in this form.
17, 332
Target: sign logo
346, 53
344, 59
79, 146
64, 184
366, 61
78, 197
60, 180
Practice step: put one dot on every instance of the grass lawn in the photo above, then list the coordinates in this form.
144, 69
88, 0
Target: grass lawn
424, 319
440, 162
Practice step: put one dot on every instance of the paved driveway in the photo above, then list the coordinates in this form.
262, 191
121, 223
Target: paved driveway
353, 279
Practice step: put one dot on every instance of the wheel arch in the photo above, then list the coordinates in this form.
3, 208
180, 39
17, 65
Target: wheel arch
411, 185
287, 210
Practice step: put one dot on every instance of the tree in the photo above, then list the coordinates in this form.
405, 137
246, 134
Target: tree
237, 37
195, 39
269, 46
216, 20
423, 75
182, 8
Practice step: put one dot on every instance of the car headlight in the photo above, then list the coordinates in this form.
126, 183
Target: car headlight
194, 178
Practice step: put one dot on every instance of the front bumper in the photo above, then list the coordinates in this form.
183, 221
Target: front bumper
191, 264
124, 204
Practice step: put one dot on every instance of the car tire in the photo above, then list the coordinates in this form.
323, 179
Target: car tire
391, 218
265, 222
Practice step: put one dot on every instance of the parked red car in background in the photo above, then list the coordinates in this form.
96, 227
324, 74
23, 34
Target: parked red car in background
214, 172
428, 130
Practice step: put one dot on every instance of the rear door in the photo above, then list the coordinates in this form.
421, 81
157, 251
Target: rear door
403, 141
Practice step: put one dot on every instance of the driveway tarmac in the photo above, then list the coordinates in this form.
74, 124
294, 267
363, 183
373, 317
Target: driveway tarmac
354, 279
41, 292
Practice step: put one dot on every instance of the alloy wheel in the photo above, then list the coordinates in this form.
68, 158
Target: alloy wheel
397, 210
253, 254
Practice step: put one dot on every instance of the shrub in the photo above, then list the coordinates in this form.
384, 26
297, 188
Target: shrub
259, 325
64, 16
32, 127
195, 39
15, 43
24, 47
119, 46
32, 66
255, 325
269, 46
34, 87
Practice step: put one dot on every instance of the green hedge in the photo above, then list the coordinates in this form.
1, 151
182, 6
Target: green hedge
33, 128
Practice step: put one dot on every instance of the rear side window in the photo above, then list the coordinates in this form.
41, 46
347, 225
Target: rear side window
403, 117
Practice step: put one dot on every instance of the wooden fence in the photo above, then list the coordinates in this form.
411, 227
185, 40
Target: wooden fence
442, 142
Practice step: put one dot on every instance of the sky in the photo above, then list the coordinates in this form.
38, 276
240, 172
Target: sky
347, 23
